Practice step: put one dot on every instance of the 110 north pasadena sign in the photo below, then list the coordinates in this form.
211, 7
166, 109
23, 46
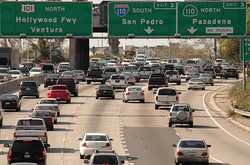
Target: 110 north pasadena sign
46, 19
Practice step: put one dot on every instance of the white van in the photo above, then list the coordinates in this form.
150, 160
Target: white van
166, 96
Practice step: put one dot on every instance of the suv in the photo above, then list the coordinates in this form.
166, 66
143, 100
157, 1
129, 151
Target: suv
28, 88
145, 72
104, 157
231, 73
50, 79
95, 75
70, 83
157, 80
173, 76
109, 71
118, 81
27, 149
181, 114
166, 96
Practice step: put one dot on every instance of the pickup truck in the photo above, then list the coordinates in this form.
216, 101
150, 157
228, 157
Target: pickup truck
31, 127
157, 80
95, 75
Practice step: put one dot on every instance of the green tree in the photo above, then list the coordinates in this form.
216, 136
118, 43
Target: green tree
229, 49
48, 52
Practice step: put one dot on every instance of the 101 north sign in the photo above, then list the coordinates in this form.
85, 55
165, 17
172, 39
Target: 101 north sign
55, 19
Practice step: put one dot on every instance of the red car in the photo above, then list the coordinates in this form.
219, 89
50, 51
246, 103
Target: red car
59, 92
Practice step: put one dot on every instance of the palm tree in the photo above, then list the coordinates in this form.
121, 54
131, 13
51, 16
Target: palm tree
47, 51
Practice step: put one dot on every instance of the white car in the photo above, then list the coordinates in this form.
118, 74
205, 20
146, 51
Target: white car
191, 151
196, 83
118, 81
80, 75
94, 141
129, 77
35, 71
51, 101
133, 94
16, 74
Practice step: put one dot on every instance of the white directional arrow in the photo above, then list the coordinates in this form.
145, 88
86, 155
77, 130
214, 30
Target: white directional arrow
192, 30
149, 30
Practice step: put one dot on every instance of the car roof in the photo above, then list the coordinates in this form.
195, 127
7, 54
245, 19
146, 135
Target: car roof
166, 88
192, 139
95, 134
48, 98
181, 104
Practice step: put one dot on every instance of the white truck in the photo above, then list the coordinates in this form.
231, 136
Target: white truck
142, 53
9, 57
31, 127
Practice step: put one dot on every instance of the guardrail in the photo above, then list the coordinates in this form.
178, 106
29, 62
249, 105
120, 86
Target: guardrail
241, 112
13, 84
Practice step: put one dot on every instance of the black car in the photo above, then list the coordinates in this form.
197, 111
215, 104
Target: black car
70, 83
9, 101
28, 88
169, 67
180, 69
27, 149
231, 73
24, 70
105, 91
48, 68
51, 79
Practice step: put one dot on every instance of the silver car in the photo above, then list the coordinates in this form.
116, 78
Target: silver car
181, 114
196, 83
191, 151
207, 78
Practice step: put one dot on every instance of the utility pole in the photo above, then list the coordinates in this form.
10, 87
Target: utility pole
215, 48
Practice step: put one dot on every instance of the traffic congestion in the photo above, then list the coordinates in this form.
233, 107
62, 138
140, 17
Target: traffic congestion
136, 111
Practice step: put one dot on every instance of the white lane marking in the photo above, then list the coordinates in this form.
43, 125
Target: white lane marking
177, 134
63, 139
216, 159
209, 114
7, 138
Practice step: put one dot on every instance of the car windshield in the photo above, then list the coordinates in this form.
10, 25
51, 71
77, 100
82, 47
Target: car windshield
192, 144
167, 92
96, 138
105, 159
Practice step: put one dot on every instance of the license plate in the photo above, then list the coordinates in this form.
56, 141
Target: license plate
27, 88
26, 156
8, 103
104, 91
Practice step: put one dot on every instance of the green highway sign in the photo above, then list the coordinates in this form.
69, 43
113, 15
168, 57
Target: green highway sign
212, 19
245, 49
51, 19
143, 19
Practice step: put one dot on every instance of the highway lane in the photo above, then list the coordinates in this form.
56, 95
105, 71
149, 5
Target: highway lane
140, 132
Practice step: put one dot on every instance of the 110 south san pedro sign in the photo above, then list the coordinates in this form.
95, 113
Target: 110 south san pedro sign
57, 19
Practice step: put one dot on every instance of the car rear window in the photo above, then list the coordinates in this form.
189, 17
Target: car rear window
167, 92
145, 69
110, 70
42, 113
52, 76
231, 70
192, 144
28, 83
105, 159
8, 97
181, 108
29, 122
59, 88
118, 77
96, 138
134, 89
65, 81
30, 146
105, 87
157, 75
171, 72
45, 108
50, 101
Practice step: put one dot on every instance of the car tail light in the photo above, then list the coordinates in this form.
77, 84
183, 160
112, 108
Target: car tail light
190, 113
128, 93
14, 101
204, 154
87, 75
20, 88
142, 93
14, 134
177, 98
156, 98
27, 141
44, 154
179, 154
10, 155
97, 91
170, 113
84, 145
